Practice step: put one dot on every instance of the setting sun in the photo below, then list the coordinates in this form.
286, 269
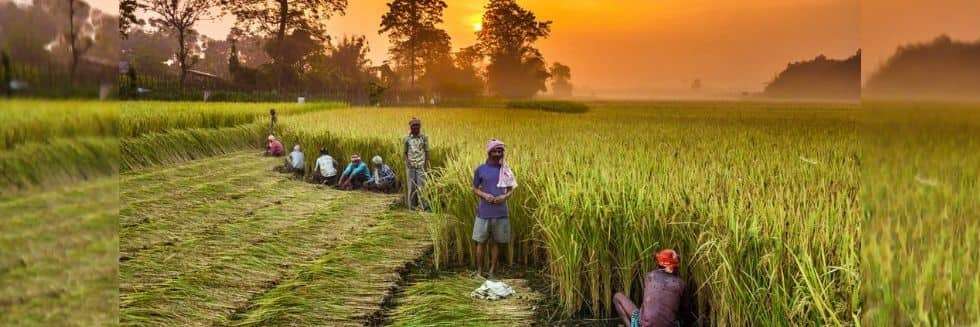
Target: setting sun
478, 26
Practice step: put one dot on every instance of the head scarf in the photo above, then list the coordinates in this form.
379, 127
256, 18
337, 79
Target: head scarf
272, 137
506, 177
377, 160
296, 147
493, 144
668, 258
414, 121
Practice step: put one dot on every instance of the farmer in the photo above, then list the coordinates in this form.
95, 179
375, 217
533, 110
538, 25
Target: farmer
383, 178
274, 147
273, 121
296, 161
416, 161
325, 171
662, 290
355, 174
493, 183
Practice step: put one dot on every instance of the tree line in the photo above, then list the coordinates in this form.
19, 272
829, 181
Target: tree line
284, 45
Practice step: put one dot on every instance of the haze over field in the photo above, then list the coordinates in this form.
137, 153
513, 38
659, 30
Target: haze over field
644, 48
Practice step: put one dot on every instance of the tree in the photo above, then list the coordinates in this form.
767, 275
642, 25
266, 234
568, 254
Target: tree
280, 18
78, 11
75, 15
516, 68
411, 27
127, 16
561, 76
179, 18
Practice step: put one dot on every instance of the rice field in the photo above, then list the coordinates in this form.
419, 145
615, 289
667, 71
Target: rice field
784, 213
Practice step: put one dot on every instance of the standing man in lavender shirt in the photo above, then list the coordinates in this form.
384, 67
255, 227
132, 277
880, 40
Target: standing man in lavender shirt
491, 212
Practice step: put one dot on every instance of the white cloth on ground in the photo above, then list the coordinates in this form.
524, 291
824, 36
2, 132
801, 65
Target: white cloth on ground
492, 291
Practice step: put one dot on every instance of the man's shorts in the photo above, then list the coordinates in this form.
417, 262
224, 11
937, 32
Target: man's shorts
499, 228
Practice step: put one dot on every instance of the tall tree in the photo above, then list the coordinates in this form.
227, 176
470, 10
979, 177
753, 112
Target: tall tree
78, 13
516, 68
561, 76
280, 18
127, 16
179, 17
411, 27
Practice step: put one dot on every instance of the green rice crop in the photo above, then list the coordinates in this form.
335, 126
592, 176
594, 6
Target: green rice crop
922, 199
761, 199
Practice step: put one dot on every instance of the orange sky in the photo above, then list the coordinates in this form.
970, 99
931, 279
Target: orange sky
639, 46
886, 24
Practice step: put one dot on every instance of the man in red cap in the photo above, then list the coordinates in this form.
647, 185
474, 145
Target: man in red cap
662, 290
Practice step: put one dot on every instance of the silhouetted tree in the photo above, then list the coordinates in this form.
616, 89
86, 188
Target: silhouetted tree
411, 27
127, 16
819, 78
516, 68
179, 17
6, 77
279, 18
561, 76
942, 68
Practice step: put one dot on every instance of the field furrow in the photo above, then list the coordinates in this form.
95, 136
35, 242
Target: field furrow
347, 285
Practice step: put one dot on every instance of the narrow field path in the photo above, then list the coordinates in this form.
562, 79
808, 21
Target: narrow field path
213, 253
445, 301
58, 256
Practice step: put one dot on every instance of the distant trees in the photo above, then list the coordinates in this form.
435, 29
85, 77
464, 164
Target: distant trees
820, 78
561, 76
179, 18
297, 19
516, 69
942, 68
411, 27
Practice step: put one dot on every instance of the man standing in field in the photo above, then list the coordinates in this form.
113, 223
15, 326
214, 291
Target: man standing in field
273, 121
416, 161
662, 291
493, 183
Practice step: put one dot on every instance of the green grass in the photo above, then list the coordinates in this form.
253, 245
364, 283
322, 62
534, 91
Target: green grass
58, 257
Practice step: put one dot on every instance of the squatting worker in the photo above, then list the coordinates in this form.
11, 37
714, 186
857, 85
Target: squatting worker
416, 161
382, 177
325, 171
296, 161
493, 183
355, 174
274, 147
662, 290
